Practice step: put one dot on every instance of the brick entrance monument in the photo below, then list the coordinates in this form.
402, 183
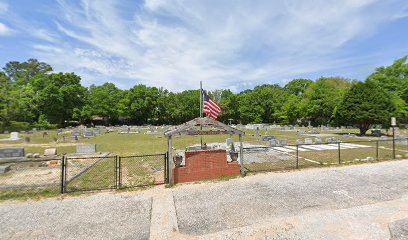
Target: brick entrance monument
205, 164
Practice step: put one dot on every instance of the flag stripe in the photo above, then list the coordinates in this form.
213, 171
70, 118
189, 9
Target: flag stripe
211, 108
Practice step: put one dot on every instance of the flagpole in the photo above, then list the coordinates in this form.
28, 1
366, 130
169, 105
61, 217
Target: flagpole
201, 110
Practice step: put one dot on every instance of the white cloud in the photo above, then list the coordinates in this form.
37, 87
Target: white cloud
4, 30
226, 44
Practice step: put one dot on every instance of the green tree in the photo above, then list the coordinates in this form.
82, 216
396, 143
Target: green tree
103, 100
298, 86
22, 72
57, 95
365, 104
322, 98
394, 79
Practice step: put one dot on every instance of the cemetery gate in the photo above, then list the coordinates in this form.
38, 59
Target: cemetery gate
112, 172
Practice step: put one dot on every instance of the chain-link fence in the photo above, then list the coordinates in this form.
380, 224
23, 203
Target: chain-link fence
30, 177
39, 177
142, 170
287, 157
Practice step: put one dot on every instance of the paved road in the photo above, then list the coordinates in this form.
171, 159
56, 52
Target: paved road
208, 208
101, 216
367, 201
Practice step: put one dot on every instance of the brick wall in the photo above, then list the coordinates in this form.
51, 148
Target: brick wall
205, 164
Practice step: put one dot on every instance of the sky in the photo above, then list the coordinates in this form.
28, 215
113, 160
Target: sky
227, 44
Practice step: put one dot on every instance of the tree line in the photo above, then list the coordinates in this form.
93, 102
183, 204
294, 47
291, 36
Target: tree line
32, 95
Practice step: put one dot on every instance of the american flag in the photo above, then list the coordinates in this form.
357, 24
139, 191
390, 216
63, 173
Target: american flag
211, 108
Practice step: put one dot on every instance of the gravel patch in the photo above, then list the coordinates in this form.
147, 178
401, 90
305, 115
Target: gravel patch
208, 208
100, 216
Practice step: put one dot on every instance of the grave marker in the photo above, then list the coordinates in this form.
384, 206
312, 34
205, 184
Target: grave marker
86, 148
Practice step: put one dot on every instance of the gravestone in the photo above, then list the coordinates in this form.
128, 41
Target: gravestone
376, 133
86, 148
89, 134
4, 169
11, 152
97, 131
329, 140
267, 138
14, 136
273, 142
284, 142
308, 141
257, 132
299, 141
301, 132
50, 152
318, 141
76, 134
314, 131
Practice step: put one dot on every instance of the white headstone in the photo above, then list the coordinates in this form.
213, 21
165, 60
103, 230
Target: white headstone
50, 152
308, 141
14, 136
86, 148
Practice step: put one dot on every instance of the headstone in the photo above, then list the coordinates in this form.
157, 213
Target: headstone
11, 152
273, 142
4, 169
29, 155
376, 133
76, 134
14, 136
299, 141
329, 140
314, 131
89, 134
284, 142
318, 141
50, 152
308, 141
257, 132
301, 132
36, 155
97, 131
86, 148
267, 138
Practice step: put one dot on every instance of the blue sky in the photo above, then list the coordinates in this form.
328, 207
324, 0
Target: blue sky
231, 44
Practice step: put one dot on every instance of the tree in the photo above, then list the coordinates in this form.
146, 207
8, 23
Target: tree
298, 86
103, 100
365, 104
322, 98
22, 72
57, 95
394, 79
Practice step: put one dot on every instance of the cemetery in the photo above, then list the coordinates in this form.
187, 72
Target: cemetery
89, 160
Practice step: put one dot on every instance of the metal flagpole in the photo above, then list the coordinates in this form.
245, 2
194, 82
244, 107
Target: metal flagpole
201, 110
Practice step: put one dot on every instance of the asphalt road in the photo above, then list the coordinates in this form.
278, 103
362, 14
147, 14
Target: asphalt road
100, 216
208, 208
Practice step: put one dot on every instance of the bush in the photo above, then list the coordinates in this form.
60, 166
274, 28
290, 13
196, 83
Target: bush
44, 124
14, 126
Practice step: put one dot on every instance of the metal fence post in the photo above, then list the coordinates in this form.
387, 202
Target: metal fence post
297, 156
339, 153
120, 172
393, 143
376, 150
166, 179
66, 161
62, 173
115, 172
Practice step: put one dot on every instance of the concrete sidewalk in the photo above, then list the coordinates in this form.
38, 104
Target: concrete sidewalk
367, 201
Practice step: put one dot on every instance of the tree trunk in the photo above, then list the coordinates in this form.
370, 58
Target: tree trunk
364, 128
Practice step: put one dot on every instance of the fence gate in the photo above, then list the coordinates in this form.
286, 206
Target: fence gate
90, 173
142, 170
